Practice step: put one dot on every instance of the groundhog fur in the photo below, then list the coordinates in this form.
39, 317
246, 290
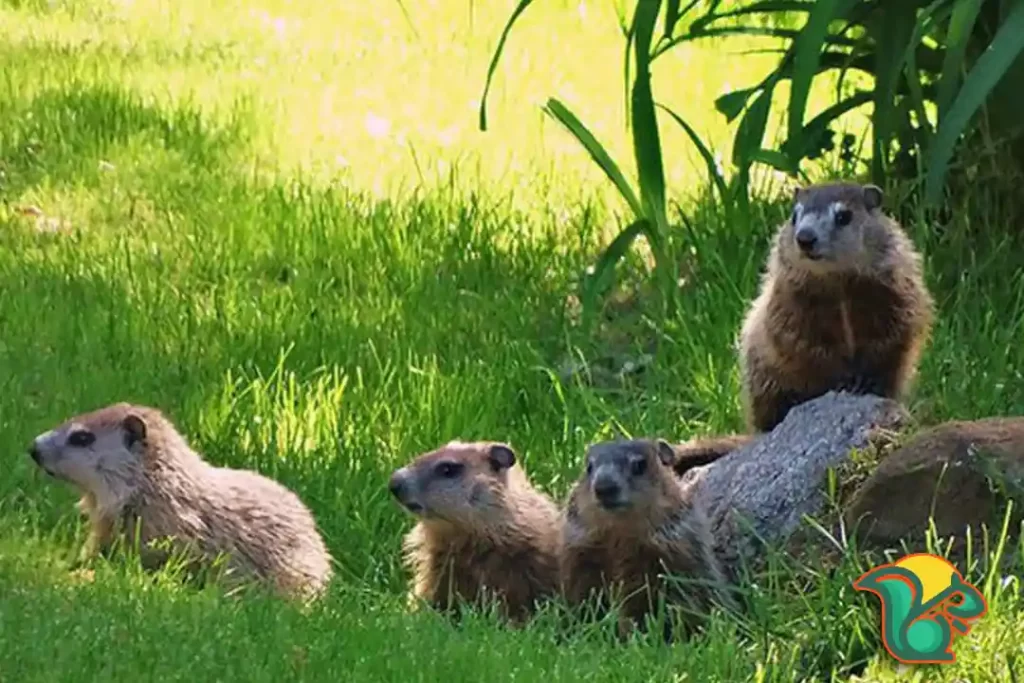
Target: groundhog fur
703, 451
138, 475
628, 522
842, 306
483, 532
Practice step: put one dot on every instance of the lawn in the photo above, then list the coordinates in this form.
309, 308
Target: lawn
277, 222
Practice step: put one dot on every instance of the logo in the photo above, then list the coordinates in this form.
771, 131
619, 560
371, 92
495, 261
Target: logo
925, 604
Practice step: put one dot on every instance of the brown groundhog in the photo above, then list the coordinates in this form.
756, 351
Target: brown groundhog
703, 451
628, 522
483, 532
138, 473
843, 305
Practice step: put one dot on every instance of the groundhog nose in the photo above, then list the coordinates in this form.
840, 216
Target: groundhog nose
396, 485
606, 490
806, 239
34, 452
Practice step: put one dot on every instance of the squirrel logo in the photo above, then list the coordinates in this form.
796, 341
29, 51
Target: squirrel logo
925, 604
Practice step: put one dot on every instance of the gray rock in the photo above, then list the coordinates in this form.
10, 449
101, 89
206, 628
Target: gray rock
760, 492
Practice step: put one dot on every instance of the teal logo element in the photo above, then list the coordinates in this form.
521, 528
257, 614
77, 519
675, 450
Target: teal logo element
925, 604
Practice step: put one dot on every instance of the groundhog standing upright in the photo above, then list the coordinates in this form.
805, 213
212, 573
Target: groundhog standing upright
137, 473
843, 306
483, 532
632, 533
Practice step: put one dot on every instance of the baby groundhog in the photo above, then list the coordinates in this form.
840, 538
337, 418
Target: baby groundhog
483, 531
137, 473
706, 450
843, 306
628, 522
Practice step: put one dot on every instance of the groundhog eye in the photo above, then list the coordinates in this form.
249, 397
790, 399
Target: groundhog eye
81, 438
449, 470
638, 467
843, 217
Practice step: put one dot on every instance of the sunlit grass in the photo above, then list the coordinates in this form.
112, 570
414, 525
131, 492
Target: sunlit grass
278, 223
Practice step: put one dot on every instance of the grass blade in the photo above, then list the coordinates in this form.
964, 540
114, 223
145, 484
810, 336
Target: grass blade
520, 8
965, 13
597, 152
1006, 47
705, 153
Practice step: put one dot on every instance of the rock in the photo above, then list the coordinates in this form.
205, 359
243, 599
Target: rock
760, 492
957, 472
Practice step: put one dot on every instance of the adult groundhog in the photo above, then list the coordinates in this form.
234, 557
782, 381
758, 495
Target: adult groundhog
627, 523
483, 532
843, 305
138, 473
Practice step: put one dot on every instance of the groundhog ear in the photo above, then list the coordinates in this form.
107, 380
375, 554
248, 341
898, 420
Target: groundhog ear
872, 197
501, 456
134, 429
666, 453
796, 193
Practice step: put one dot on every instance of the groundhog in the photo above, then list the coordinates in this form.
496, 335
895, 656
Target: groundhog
842, 306
706, 450
138, 475
628, 522
483, 532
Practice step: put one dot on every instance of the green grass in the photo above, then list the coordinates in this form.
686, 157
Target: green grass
321, 304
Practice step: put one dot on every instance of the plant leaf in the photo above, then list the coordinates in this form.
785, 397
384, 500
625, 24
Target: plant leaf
965, 13
935, 12
516, 13
1005, 48
705, 153
600, 279
646, 141
797, 149
807, 50
774, 159
561, 113
731, 103
750, 132
892, 30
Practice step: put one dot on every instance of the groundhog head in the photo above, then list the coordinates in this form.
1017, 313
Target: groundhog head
826, 229
99, 452
628, 476
458, 483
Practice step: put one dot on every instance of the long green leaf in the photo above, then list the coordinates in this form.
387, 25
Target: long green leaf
705, 153
600, 279
520, 8
646, 141
965, 13
796, 149
807, 50
934, 13
750, 132
893, 32
1006, 47
561, 113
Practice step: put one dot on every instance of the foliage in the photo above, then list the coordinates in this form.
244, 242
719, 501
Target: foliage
914, 52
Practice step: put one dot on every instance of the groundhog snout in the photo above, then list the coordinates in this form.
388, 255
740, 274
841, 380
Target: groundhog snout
401, 489
35, 454
807, 240
607, 490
